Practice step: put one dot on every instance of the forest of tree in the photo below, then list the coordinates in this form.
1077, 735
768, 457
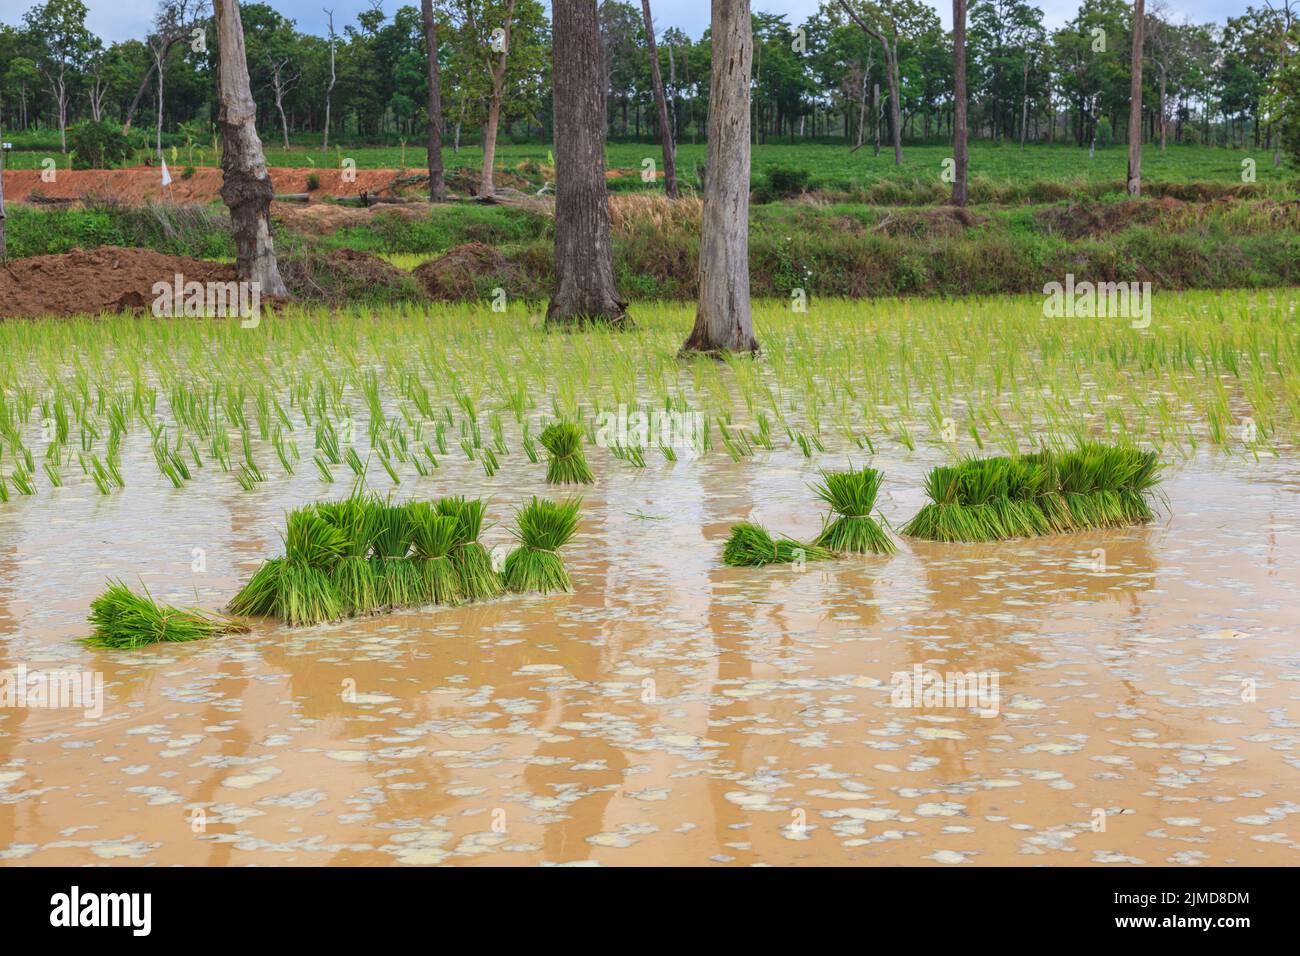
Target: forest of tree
825, 78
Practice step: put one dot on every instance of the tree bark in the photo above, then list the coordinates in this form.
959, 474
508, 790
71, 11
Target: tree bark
437, 183
585, 290
665, 128
246, 184
722, 317
1135, 104
960, 159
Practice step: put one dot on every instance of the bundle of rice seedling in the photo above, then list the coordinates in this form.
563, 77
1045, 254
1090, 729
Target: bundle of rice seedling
750, 546
852, 495
473, 564
124, 620
432, 538
399, 586
298, 588
359, 519
992, 499
568, 462
543, 528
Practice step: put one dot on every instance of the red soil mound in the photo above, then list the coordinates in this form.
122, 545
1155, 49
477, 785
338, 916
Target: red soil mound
109, 278
140, 183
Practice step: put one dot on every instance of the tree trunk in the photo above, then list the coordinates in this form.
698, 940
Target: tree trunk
4, 251
487, 188
584, 257
329, 90
1164, 125
722, 316
1135, 104
665, 128
437, 185
246, 184
891, 74
960, 160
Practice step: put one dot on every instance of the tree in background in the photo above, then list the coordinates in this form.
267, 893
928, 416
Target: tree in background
437, 186
1135, 104
665, 128
960, 161
64, 47
585, 290
246, 184
723, 322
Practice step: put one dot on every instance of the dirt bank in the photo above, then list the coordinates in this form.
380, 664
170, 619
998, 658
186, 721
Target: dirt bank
109, 278
139, 184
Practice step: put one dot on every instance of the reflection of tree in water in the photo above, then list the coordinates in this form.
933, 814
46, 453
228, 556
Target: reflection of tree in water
1044, 577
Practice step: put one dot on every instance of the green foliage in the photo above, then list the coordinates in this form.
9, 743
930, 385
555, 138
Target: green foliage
98, 145
781, 182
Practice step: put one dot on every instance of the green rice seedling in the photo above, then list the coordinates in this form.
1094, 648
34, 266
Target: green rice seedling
4, 489
297, 588
359, 520
750, 546
543, 527
354, 462
990, 499
851, 496
52, 472
478, 579
323, 469
568, 462
530, 446
490, 463
399, 586
432, 538
22, 480
124, 620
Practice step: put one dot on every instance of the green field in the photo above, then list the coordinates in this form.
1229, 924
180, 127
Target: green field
831, 166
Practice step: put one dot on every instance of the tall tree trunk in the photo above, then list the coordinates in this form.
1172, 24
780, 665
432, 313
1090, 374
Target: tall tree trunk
4, 251
246, 184
1164, 124
584, 257
437, 184
959, 156
329, 90
487, 187
722, 317
891, 75
1135, 104
665, 128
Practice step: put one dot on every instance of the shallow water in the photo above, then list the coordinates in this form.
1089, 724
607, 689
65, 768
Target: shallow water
671, 710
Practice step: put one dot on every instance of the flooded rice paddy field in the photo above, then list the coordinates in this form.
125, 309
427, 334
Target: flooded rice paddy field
672, 710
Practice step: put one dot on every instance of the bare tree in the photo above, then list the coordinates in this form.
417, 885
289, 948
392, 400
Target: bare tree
497, 72
723, 322
665, 128
1135, 103
282, 83
585, 290
4, 250
437, 183
175, 20
98, 87
890, 48
959, 156
329, 90
1286, 12
246, 183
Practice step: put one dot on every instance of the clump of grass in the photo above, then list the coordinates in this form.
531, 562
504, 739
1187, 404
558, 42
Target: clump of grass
992, 499
750, 546
124, 620
432, 538
473, 564
568, 462
543, 528
852, 495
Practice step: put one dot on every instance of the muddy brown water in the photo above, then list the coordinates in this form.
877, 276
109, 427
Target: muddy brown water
671, 710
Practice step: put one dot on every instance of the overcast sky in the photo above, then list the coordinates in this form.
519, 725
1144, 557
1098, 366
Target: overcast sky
125, 19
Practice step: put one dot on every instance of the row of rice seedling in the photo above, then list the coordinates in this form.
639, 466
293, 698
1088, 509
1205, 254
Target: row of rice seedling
365, 554
990, 499
388, 392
